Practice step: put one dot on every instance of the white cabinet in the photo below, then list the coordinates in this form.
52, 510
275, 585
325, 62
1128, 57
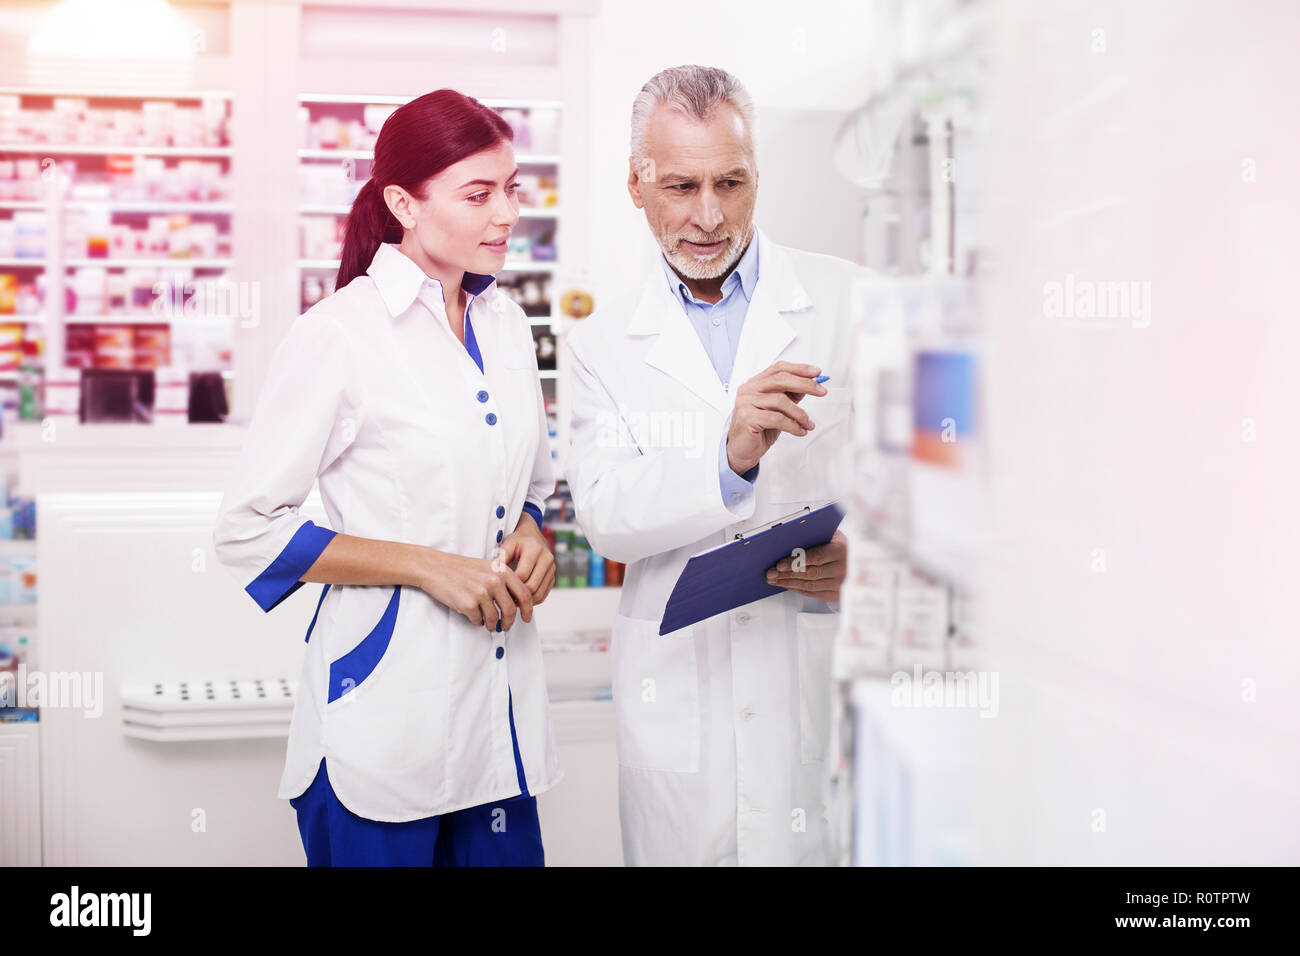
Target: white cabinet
20, 794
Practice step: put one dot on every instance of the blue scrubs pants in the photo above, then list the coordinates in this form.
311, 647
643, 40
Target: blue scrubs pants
502, 833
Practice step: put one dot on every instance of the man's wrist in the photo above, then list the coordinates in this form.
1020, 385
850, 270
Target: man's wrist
735, 465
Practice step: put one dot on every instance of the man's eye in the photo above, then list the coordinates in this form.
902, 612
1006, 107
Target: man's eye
682, 186
730, 183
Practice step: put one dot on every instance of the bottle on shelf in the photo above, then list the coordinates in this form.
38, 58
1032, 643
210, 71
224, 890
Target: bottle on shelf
563, 561
31, 383
580, 558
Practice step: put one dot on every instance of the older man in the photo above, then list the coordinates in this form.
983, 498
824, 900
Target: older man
696, 414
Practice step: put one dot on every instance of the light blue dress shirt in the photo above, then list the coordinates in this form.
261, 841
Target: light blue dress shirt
718, 325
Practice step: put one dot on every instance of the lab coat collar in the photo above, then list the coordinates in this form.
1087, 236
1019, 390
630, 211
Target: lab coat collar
764, 334
399, 279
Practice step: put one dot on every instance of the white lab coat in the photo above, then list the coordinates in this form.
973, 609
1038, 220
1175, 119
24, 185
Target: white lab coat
371, 393
723, 727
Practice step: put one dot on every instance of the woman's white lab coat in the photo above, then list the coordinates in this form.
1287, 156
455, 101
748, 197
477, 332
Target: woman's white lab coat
371, 393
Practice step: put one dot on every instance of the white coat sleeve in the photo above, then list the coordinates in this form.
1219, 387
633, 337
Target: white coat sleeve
635, 502
304, 419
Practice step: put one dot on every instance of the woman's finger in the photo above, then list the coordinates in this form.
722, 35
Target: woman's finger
506, 604
473, 614
528, 554
519, 591
544, 563
508, 551
547, 583
488, 610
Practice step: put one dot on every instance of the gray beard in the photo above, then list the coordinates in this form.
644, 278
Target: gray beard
692, 268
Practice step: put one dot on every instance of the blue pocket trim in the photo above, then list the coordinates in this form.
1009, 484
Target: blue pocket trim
312, 625
280, 579
514, 740
356, 665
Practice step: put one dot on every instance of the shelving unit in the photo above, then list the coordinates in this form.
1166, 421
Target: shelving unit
144, 203
56, 149
901, 779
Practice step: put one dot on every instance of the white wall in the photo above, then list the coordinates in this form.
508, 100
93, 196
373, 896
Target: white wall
1139, 602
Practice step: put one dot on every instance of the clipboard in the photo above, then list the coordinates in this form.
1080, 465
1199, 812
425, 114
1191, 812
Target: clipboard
732, 574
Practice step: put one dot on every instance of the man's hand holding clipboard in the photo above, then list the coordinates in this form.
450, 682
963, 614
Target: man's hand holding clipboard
824, 570
733, 574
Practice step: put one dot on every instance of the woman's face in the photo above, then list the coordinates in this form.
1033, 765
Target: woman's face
467, 213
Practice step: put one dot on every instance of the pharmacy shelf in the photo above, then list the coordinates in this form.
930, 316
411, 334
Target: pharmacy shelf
149, 318
193, 263
23, 614
55, 149
107, 263
82, 93
122, 319
126, 205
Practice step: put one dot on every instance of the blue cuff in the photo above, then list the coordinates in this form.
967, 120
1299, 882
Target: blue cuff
280, 580
733, 485
536, 512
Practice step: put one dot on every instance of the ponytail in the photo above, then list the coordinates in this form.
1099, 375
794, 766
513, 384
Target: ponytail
369, 223
418, 140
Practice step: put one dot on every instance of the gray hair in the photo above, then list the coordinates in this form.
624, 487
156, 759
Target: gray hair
694, 90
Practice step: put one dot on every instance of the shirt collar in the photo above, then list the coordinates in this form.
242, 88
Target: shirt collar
400, 280
745, 274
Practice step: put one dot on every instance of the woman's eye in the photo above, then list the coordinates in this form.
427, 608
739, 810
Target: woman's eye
513, 187
478, 197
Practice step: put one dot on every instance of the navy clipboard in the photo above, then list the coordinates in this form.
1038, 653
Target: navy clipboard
726, 577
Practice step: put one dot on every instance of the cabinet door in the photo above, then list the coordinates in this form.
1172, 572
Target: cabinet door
20, 795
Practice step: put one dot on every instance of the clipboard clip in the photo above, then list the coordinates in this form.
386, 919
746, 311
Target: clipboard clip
741, 535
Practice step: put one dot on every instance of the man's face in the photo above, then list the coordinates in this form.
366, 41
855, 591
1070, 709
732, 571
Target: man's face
697, 184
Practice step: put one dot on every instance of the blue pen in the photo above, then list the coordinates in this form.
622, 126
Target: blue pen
822, 378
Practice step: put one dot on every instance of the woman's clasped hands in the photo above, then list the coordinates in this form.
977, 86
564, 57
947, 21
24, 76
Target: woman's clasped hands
492, 592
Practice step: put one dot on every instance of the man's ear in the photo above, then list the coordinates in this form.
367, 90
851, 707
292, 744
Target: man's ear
634, 181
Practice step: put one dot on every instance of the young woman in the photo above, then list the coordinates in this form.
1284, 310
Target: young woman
412, 395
